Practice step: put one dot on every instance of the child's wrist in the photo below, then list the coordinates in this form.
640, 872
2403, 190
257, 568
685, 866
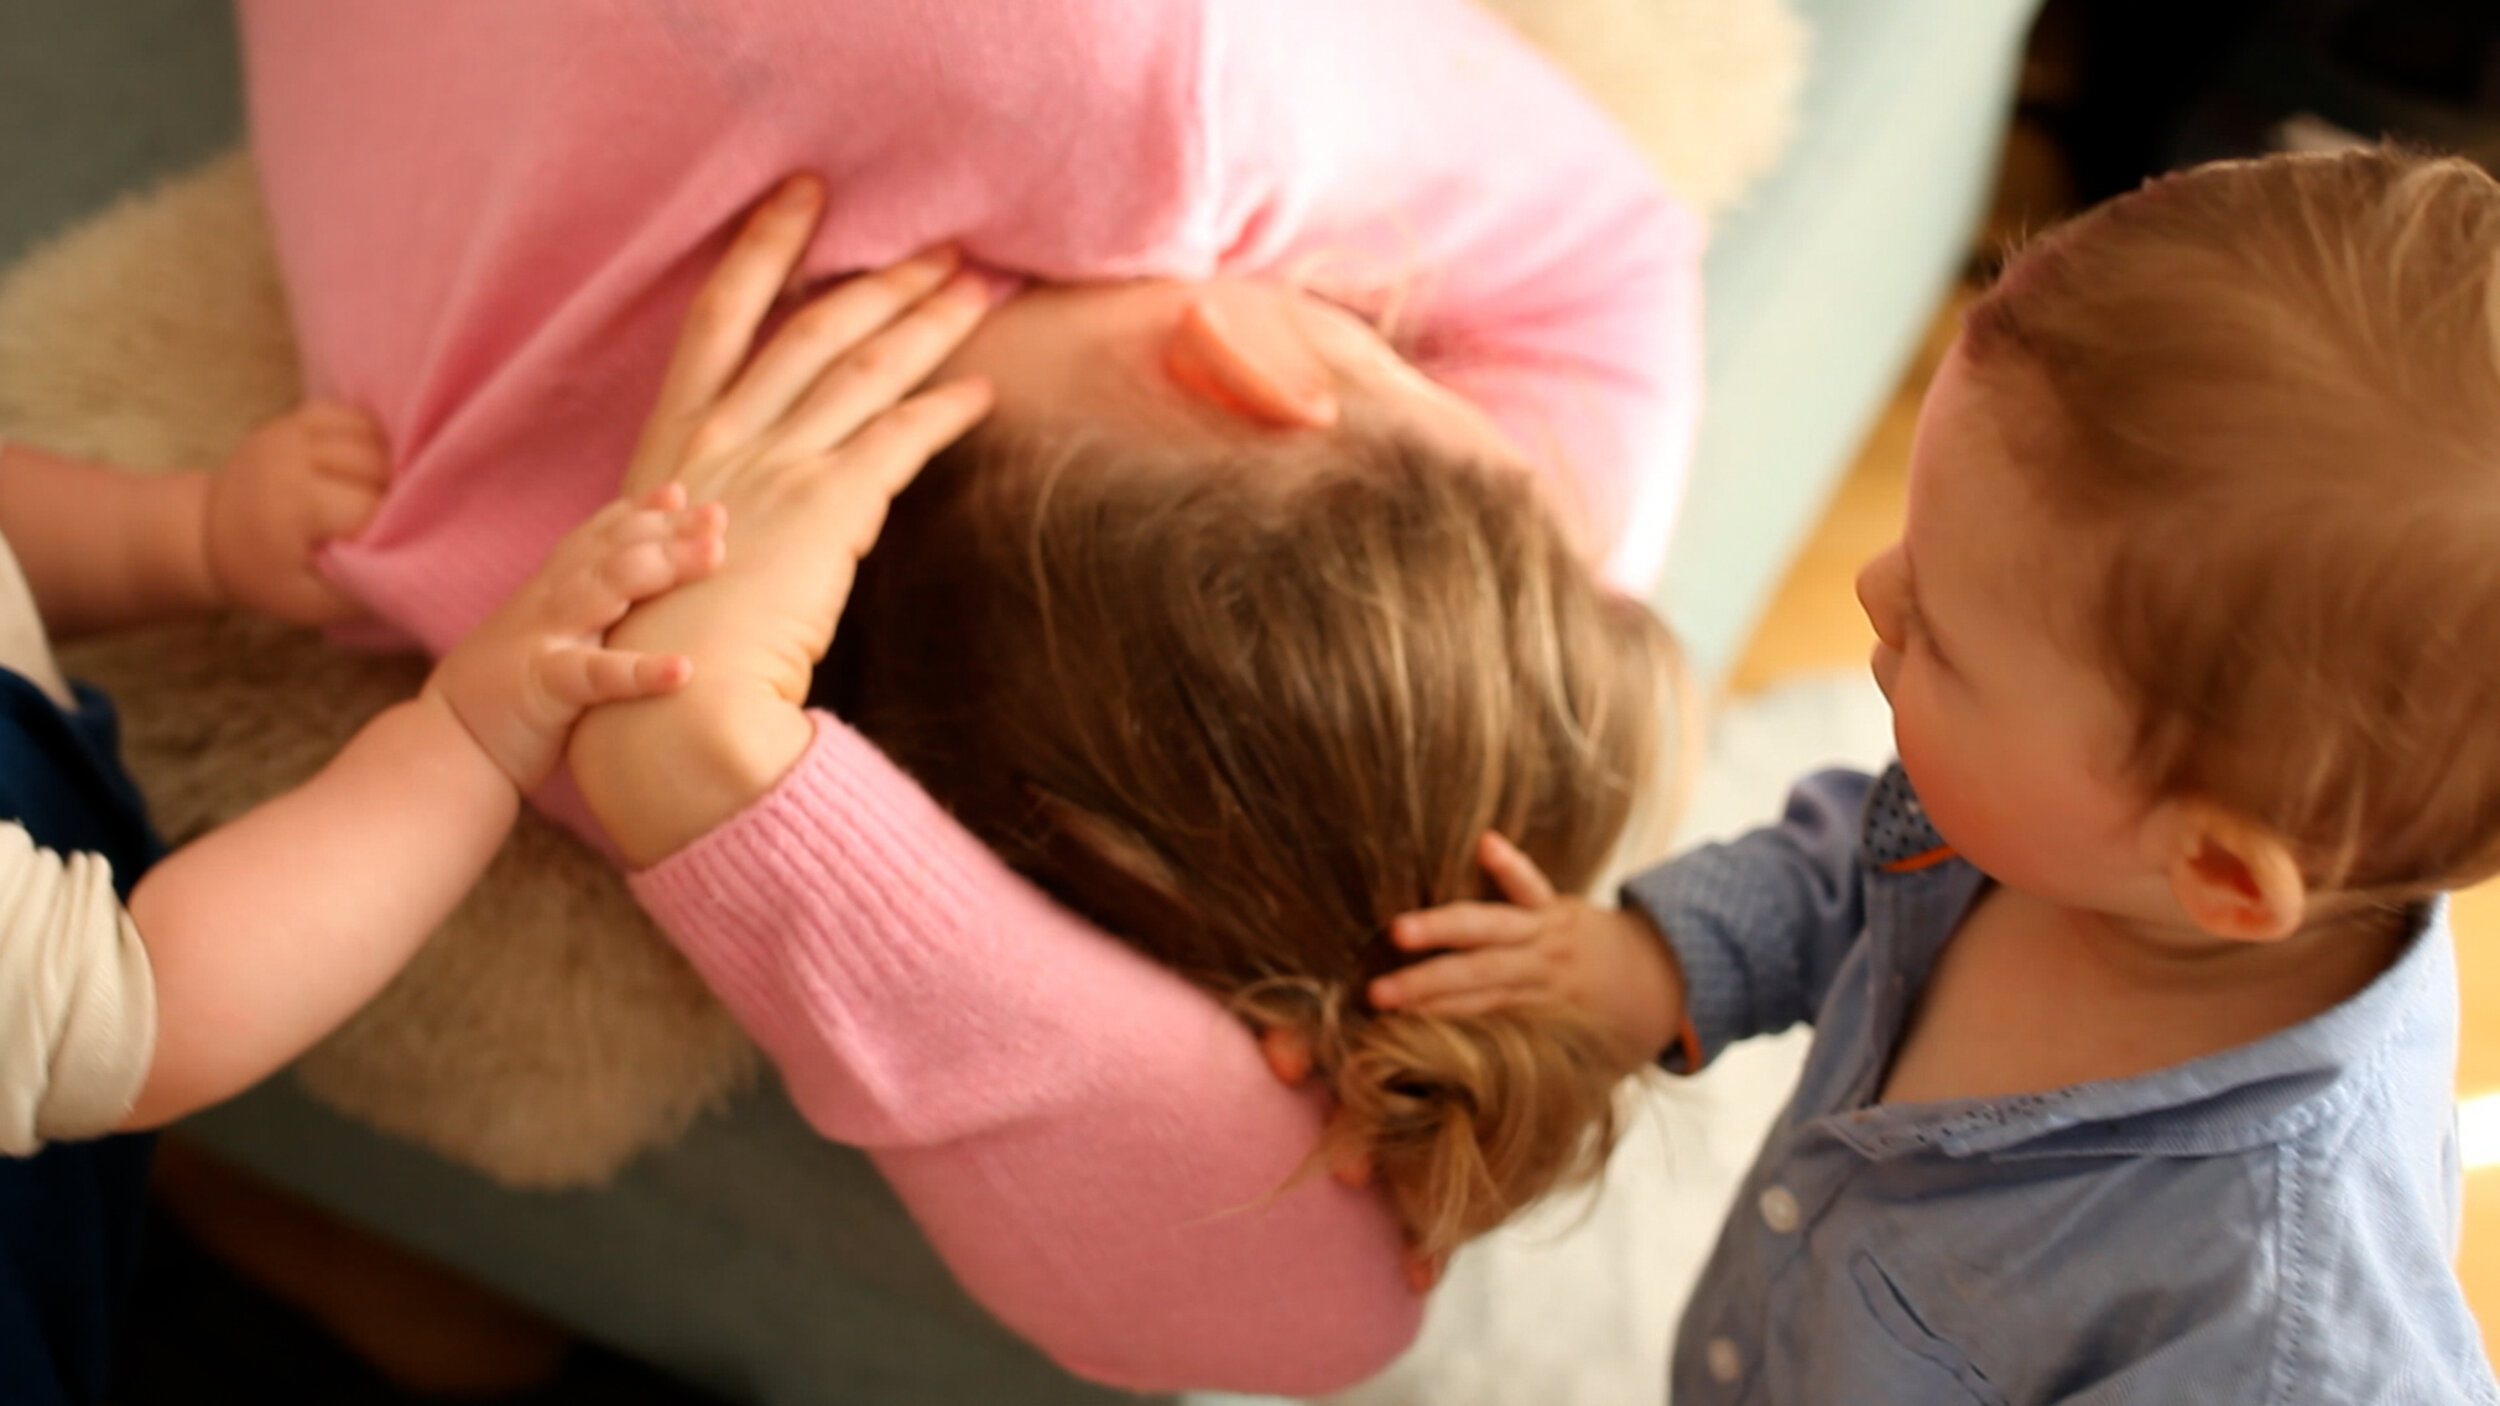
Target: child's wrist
184, 500
1656, 989
435, 702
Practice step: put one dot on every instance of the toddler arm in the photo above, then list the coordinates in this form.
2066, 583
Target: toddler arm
104, 548
265, 933
1758, 925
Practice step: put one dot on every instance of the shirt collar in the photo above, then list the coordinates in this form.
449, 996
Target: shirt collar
2249, 1096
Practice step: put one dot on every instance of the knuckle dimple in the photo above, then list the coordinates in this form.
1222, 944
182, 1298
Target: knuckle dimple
872, 360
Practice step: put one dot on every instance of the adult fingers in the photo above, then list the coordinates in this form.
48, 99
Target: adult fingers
884, 367
721, 323
893, 447
847, 325
1513, 871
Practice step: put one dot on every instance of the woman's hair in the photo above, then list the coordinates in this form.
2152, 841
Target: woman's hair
2277, 396
1243, 712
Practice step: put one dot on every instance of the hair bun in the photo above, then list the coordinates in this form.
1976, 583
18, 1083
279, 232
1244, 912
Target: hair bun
1465, 1121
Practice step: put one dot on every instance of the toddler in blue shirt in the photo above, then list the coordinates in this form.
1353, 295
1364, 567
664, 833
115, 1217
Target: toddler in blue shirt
2134, 1005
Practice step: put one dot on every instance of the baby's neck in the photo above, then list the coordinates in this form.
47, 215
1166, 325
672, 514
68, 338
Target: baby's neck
2030, 995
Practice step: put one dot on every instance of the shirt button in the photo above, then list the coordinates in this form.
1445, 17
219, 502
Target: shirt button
1725, 1365
1779, 1209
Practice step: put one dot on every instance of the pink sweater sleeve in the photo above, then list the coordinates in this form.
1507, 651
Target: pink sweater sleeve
1094, 1146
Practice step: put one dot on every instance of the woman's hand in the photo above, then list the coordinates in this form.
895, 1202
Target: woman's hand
805, 444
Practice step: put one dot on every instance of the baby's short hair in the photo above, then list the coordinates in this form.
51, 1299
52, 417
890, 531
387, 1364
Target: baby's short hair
2278, 394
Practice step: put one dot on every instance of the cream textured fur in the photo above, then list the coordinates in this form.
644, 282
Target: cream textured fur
547, 1033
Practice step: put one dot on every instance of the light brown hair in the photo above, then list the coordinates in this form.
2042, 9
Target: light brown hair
1243, 712
2277, 395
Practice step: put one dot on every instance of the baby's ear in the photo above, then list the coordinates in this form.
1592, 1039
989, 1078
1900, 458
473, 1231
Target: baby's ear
2234, 877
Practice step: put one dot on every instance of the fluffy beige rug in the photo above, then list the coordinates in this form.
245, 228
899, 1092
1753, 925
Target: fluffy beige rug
547, 1034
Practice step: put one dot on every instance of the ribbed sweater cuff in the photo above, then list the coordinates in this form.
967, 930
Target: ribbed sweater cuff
856, 931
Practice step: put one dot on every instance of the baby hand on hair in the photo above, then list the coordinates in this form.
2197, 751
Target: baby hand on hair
519, 681
1540, 948
296, 481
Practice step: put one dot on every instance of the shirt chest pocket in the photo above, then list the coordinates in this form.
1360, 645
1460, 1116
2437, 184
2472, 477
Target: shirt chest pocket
1889, 1353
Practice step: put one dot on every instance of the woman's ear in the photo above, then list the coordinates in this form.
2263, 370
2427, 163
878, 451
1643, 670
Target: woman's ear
2232, 876
1264, 374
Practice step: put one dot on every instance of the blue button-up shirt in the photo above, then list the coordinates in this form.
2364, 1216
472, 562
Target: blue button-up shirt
2274, 1223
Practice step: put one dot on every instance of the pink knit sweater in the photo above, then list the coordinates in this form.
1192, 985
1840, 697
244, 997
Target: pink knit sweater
491, 216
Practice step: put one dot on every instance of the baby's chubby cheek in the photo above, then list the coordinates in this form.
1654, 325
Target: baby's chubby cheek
1969, 800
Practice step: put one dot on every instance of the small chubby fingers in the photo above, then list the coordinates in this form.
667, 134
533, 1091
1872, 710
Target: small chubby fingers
336, 419
1463, 925
1432, 985
362, 463
644, 569
632, 554
584, 676
659, 498
1468, 1005
1513, 871
338, 507
313, 601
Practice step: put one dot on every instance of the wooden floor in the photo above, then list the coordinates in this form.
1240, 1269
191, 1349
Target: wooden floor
1815, 625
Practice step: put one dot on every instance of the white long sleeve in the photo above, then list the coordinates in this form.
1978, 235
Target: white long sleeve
77, 998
